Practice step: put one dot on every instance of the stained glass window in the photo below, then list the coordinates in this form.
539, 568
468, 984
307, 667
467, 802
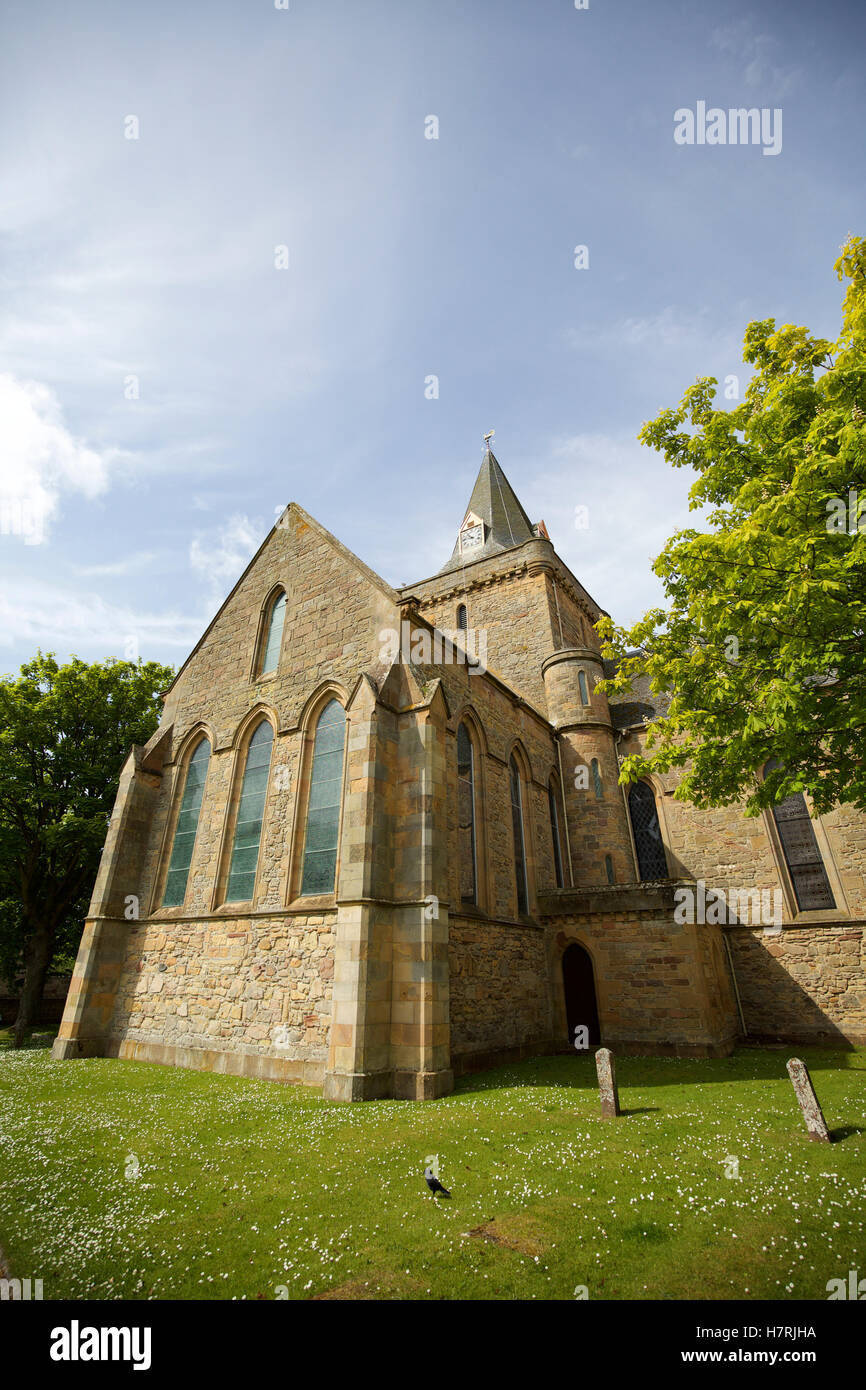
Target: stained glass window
466, 816
647, 834
187, 824
519, 849
248, 826
326, 796
277, 618
802, 854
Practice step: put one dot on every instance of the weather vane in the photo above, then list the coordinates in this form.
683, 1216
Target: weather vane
488, 437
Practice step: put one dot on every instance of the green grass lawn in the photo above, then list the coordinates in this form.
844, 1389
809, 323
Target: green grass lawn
251, 1189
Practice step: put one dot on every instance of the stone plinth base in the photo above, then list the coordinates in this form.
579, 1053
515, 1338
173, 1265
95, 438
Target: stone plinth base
385, 1085
250, 1064
64, 1049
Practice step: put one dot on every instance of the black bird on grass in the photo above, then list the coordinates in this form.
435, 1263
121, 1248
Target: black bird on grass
434, 1184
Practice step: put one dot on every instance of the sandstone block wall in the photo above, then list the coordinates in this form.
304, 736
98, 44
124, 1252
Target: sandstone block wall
500, 996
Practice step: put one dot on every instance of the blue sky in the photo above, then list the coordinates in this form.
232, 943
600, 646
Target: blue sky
154, 258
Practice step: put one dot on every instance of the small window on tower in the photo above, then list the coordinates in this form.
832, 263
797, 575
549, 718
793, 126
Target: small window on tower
462, 620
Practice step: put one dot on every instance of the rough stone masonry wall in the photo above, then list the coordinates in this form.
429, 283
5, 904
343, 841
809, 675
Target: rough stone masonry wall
809, 984
229, 985
511, 598
499, 995
651, 978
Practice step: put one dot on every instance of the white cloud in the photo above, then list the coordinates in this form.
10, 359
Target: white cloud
33, 614
220, 556
113, 568
40, 460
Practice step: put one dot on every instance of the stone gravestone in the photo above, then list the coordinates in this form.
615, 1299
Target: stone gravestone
604, 1065
805, 1093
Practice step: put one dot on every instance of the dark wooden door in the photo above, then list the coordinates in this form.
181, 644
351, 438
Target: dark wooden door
581, 1006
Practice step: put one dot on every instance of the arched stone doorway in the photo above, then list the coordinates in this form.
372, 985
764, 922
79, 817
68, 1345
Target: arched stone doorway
581, 1006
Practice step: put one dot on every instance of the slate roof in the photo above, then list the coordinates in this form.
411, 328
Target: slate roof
505, 522
635, 705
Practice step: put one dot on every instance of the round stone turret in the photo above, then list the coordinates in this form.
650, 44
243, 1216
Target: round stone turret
570, 678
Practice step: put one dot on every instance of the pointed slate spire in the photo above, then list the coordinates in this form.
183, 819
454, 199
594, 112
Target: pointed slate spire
494, 506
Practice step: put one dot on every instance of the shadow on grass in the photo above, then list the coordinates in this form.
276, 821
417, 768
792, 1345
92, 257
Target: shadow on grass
846, 1132
745, 1064
35, 1040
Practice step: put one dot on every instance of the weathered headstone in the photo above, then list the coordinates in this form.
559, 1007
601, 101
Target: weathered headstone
604, 1065
805, 1093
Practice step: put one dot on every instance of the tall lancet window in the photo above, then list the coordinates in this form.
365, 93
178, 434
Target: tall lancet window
554, 830
274, 635
519, 844
802, 854
466, 817
584, 693
187, 825
326, 796
251, 807
462, 619
651, 860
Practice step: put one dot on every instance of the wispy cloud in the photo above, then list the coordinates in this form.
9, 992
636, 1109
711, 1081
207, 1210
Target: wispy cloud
745, 45
40, 459
34, 614
220, 556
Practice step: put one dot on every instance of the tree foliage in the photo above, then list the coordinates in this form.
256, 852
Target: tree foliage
761, 649
65, 732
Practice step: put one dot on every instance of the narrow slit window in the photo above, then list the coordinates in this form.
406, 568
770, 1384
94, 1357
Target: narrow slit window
802, 852
325, 800
581, 681
519, 844
466, 817
271, 655
248, 826
596, 779
462, 618
187, 825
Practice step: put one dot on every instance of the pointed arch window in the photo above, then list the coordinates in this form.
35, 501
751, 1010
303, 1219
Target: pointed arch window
647, 832
273, 635
187, 825
554, 831
467, 850
581, 681
248, 825
802, 853
462, 618
325, 800
519, 841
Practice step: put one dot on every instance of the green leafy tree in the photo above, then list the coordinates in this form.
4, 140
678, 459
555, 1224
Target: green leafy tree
761, 651
65, 732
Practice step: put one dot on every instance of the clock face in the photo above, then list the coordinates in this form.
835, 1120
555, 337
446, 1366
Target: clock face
471, 536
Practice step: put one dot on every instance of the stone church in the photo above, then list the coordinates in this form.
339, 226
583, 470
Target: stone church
379, 839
